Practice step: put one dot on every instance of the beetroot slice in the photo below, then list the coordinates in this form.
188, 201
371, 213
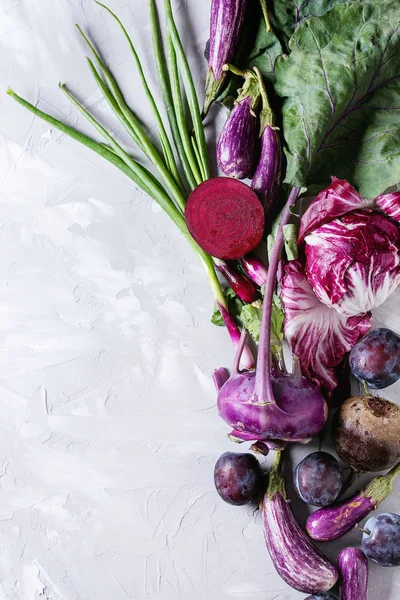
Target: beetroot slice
225, 217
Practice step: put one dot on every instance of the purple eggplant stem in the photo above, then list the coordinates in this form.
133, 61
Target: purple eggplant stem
300, 564
227, 17
332, 522
353, 573
266, 179
236, 145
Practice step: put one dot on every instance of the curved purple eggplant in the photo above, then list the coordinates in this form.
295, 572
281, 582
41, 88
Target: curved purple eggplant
353, 574
266, 179
296, 559
332, 522
227, 17
236, 145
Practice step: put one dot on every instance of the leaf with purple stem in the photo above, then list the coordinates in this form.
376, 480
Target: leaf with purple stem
349, 129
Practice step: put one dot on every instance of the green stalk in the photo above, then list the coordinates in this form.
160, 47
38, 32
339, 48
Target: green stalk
113, 104
198, 157
190, 89
164, 83
141, 177
136, 172
149, 148
165, 143
180, 111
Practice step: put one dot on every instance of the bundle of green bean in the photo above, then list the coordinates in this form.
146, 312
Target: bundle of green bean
188, 137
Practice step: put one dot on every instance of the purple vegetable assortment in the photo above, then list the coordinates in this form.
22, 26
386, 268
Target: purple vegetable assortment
326, 268
295, 558
327, 524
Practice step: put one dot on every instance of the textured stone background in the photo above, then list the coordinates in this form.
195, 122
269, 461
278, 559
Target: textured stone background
109, 430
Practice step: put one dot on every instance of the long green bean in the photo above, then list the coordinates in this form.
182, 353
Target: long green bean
180, 110
164, 139
190, 89
164, 82
148, 146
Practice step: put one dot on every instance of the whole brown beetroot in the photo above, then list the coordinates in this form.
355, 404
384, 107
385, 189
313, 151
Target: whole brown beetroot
366, 433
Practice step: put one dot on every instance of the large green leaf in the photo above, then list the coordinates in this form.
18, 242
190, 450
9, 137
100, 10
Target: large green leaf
341, 90
286, 15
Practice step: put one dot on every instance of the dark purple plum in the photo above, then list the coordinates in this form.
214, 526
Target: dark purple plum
318, 479
382, 543
375, 359
237, 478
321, 597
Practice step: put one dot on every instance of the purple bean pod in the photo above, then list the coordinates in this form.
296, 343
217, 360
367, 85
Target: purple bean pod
254, 268
300, 564
243, 287
332, 522
353, 574
227, 18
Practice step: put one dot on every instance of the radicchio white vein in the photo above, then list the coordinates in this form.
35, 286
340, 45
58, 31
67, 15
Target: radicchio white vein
319, 336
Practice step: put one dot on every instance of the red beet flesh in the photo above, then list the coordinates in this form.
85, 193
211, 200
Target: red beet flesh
225, 217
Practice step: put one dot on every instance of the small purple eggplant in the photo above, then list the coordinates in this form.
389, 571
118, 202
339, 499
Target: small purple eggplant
266, 179
296, 559
236, 145
236, 149
332, 522
227, 17
353, 574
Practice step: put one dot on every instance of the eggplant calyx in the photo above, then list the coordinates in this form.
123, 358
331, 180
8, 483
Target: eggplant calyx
276, 481
213, 90
251, 87
267, 117
381, 487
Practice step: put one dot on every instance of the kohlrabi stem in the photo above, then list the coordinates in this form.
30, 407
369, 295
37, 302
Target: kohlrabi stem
164, 82
190, 89
165, 143
180, 111
263, 385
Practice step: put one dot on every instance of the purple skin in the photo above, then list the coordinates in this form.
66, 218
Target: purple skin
236, 145
271, 405
353, 574
237, 478
296, 415
381, 540
243, 287
254, 268
318, 479
375, 359
330, 523
295, 558
266, 178
227, 17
